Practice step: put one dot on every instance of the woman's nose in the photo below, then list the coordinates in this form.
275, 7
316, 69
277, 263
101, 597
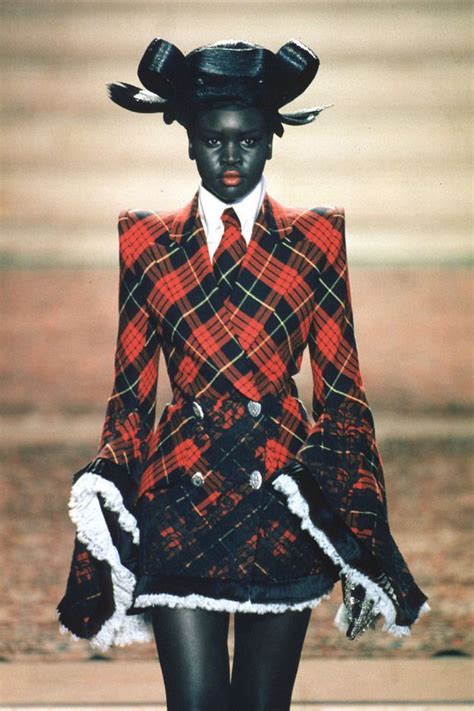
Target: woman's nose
231, 153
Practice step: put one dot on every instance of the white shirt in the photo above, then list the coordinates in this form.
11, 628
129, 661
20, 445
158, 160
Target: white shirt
211, 208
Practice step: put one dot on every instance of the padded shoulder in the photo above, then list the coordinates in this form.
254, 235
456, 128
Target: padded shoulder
139, 229
314, 223
324, 215
147, 218
309, 222
324, 227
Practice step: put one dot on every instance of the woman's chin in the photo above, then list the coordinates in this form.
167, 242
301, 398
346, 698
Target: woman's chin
230, 193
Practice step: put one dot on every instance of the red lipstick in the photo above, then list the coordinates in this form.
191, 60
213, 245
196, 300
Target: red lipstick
231, 178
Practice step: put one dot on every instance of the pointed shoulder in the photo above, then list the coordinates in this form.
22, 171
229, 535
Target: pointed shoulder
157, 221
316, 222
309, 221
322, 227
140, 229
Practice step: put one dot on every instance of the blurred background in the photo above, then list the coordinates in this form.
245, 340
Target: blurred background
394, 150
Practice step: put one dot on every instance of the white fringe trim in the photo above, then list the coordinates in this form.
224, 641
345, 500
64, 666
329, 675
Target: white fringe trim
85, 512
382, 603
90, 484
64, 630
194, 601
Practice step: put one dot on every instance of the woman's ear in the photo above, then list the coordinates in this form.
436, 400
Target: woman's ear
190, 147
270, 147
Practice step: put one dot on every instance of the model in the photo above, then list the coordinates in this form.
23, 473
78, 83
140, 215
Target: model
234, 501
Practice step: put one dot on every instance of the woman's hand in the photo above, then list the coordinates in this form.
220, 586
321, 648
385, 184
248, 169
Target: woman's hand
359, 608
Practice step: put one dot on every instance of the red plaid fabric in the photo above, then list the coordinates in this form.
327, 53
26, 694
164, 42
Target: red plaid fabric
236, 418
292, 290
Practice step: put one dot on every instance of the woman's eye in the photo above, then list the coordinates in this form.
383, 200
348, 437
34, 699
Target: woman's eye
248, 142
213, 142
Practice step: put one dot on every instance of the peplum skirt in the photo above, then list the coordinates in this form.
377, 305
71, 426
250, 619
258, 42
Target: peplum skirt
222, 537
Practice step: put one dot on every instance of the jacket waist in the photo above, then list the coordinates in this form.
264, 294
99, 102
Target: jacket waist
270, 404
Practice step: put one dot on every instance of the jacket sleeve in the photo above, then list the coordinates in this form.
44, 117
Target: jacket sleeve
343, 435
102, 574
130, 410
336, 481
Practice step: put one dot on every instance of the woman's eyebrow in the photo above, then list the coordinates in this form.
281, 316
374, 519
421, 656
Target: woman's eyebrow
217, 132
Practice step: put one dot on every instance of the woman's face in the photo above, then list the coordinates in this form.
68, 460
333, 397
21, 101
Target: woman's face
230, 145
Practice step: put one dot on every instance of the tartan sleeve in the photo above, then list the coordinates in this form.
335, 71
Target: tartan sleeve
335, 483
130, 411
341, 445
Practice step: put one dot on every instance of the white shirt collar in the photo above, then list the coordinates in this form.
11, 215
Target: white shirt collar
211, 208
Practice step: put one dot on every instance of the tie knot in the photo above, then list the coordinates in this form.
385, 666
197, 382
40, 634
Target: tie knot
229, 218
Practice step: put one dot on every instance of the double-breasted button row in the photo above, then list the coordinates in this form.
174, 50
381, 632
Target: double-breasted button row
255, 479
253, 407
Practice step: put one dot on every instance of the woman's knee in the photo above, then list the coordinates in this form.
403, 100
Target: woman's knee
201, 698
254, 698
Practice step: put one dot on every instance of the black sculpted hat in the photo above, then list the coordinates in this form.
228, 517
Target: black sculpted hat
179, 85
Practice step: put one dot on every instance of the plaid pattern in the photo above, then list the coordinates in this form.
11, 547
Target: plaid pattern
88, 600
292, 290
226, 530
251, 343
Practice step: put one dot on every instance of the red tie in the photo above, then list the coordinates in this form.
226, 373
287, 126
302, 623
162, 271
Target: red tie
229, 253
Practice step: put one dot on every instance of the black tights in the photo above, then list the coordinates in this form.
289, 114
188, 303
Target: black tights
192, 649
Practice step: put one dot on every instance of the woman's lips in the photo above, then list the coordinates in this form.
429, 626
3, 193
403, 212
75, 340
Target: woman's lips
231, 178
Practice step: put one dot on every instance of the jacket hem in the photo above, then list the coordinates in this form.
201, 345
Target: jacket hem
286, 593
194, 601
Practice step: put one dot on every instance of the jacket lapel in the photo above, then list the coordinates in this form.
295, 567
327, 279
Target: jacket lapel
254, 297
255, 294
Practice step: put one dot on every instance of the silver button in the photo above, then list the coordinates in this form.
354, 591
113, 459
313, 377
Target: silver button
254, 407
197, 479
197, 409
255, 479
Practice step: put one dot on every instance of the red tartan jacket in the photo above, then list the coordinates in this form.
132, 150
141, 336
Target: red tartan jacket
292, 291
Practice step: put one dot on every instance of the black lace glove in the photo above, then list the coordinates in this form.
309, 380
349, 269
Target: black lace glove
359, 608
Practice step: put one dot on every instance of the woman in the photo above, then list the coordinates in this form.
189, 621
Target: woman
234, 502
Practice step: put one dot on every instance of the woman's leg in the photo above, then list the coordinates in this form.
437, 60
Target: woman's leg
193, 653
266, 657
